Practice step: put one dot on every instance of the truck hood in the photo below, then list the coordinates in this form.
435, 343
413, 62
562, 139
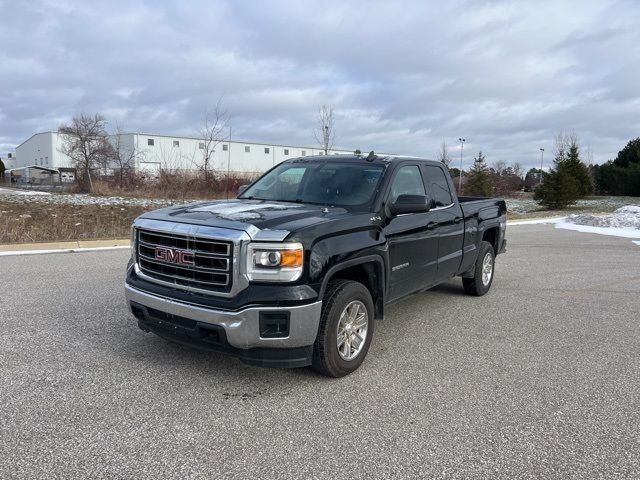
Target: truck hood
261, 219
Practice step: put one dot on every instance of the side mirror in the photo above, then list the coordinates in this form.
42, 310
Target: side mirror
409, 204
242, 188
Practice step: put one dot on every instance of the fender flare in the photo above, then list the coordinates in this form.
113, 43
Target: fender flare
377, 259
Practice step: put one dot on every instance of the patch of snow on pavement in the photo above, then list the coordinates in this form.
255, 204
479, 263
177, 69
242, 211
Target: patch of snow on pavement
624, 222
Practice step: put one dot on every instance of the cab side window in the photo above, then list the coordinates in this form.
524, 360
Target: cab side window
438, 187
408, 181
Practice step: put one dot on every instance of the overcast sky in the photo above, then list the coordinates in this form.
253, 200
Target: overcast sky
401, 76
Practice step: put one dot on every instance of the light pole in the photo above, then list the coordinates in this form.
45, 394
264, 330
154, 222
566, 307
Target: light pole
462, 140
541, 162
326, 139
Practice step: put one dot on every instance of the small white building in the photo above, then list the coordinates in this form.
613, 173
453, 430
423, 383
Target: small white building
155, 152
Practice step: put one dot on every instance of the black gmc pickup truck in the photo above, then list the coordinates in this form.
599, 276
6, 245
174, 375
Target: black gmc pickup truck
297, 269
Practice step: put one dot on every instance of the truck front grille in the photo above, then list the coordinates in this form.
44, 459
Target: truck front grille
184, 261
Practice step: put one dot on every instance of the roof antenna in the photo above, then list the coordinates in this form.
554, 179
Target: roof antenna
371, 157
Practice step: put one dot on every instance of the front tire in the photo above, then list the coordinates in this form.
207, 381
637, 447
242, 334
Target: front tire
483, 271
346, 328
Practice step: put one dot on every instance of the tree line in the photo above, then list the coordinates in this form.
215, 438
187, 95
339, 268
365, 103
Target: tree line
483, 180
569, 179
620, 176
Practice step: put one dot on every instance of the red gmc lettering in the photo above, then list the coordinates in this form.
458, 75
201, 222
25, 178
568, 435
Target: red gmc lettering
174, 256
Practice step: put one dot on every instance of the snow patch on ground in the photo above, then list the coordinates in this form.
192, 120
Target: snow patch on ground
13, 191
624, 222
616, 232
624, 217
33, 196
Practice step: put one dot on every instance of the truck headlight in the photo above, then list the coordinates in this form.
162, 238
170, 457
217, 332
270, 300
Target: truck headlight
274, 262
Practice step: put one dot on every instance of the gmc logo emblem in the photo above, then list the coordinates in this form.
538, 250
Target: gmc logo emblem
170, 255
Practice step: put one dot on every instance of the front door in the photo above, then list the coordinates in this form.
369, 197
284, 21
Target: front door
412, 240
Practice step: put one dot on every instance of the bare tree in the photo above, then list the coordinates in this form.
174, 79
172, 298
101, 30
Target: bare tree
325, 129
85, 142
212, 133
123, 155
171, 158
442, 155
588, 156
499, 167
563, 143
518, 170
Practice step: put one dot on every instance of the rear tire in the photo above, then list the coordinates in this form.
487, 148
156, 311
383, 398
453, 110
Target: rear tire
346, 328
484, 270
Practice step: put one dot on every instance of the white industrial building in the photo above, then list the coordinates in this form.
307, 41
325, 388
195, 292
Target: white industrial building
155, 152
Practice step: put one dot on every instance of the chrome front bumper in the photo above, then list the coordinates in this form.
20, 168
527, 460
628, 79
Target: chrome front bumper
241, 327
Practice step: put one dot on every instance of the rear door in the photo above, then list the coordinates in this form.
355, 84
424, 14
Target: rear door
447, 214
413, 243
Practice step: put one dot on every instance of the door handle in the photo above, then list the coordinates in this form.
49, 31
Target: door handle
457, 220
432, 225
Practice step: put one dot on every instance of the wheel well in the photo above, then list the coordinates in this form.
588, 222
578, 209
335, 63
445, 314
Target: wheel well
369, 275
491, 236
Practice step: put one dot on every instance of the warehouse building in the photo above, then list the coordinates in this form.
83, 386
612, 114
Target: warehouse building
155, 152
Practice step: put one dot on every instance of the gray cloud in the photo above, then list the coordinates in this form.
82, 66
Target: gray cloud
402, 76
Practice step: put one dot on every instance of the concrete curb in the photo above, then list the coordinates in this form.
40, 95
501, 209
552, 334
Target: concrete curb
62, 247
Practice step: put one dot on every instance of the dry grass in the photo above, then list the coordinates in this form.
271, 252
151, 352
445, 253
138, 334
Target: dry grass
39, 222
180, 185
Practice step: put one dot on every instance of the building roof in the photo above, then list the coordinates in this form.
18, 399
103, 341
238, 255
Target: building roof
37, 133
186, 137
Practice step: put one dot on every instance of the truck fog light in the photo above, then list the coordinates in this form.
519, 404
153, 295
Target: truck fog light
274, 324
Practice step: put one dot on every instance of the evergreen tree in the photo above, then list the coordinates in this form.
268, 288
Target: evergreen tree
479, 183
568, 180
621, 176
532, 178
577, 169
558, 189
2, 169
629, 154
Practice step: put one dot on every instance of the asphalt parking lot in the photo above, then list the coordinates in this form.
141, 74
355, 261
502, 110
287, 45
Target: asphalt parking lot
538, 379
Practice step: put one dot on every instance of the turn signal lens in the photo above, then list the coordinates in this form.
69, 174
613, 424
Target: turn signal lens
291, 258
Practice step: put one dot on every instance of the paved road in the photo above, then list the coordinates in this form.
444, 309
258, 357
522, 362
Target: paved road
538, 379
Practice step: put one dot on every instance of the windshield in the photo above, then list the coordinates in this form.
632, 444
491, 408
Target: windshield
326, 183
